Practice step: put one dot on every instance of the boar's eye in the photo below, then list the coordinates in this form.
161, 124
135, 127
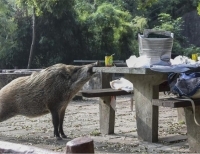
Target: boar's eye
64, 75
76, 70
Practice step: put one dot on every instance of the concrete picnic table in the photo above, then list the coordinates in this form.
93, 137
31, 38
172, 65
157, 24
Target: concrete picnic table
146, 87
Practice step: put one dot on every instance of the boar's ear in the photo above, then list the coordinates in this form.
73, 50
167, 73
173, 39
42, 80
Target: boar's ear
69, 72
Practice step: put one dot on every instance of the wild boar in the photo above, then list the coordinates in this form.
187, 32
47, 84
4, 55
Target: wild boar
47, 91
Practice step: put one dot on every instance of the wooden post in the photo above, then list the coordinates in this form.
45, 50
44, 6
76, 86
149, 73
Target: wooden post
80, 145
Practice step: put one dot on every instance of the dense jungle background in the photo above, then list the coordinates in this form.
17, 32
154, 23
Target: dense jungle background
38, 33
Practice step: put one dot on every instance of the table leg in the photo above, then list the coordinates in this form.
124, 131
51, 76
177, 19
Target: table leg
145, 89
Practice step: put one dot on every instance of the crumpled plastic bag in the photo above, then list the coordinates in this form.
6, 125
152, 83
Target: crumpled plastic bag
179, 64
138, 62
122, 84
182, 60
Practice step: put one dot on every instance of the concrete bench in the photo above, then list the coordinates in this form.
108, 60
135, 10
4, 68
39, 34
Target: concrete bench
107, 113
174, 102
103, 92
193, 130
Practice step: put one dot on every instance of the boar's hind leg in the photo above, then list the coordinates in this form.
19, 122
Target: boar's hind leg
62, 115
55, 120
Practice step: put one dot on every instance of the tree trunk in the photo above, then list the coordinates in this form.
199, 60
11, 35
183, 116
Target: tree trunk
33, 41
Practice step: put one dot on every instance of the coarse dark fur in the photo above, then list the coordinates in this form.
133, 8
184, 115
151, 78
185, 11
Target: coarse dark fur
47, 91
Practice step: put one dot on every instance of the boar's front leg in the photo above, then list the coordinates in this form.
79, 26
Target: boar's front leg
55, 120
61, 119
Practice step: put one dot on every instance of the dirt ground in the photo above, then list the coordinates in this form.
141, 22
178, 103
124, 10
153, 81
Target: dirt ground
82, 119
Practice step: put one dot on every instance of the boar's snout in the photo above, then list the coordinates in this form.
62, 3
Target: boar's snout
90, 68
96, 64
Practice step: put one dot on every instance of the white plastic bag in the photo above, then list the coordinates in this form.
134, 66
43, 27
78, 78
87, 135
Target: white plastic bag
182, 60
122, 84
138, 62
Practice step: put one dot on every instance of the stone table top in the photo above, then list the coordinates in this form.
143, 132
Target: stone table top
126, 70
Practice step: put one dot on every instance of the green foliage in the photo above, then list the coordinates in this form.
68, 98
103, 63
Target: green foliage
108, 15
198, 8
165, 22
144, 4
55, 31
68, 29
7, 33
83, 9
191, 50
109, 29
175, 25
140, 23
56, 7
176, 8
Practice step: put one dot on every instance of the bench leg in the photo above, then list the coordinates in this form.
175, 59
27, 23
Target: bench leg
193, 131
181, 114
107, 116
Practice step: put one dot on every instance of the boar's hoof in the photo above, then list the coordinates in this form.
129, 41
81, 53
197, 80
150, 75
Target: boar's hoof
64, 136
58, 138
